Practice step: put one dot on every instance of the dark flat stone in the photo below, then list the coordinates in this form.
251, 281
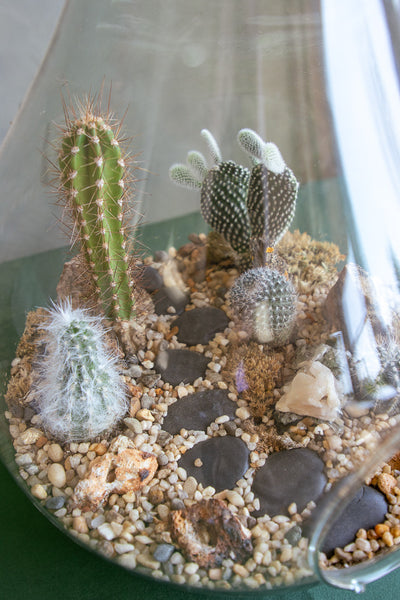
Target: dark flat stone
288, 476
199, 326
150, 279
168, 296
180, 365
367, 508
198, 410
225, 460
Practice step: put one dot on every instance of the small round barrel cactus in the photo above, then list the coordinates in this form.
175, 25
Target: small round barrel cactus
265, 302
79, 391
93, 181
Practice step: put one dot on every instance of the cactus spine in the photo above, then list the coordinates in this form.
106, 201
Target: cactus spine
92, 171
79, 391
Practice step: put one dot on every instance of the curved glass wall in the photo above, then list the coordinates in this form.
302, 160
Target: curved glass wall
320, 80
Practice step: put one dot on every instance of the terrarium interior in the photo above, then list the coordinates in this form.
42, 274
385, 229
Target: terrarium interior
208, 391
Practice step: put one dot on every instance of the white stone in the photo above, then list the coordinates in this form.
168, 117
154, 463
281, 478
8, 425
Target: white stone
243, 413
39, 491
312, 393
30, 436
56, 474
55, 452
106, 531
181, 391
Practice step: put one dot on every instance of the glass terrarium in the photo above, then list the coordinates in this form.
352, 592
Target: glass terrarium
202, 377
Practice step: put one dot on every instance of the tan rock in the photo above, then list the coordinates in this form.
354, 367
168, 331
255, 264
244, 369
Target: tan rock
208, 532
386, 483
127, 470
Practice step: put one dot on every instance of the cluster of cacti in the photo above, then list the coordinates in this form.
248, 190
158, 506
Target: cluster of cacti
389, 354
79, 392
265, 302
248, 209
93, 184
224, 189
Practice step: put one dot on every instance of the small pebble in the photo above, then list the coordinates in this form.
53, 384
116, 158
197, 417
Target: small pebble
144, 415
39, 491
30, 436
56, 475
106, 531
243, 413
55, 452
55, 503
80, 525
190, 486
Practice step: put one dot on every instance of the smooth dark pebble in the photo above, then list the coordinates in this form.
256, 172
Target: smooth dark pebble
28, 413
366, 509
294, 535
251, 522
169, 296
199, 326
180, 365
16, 410
288, 476
198, 410
161, 256
150, 279
163, 552
224, 462
177, 504
230, 427
55, 502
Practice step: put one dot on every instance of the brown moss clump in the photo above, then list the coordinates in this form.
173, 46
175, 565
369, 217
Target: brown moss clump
260, 371
309, 260
21, 374
28, 341
269, 440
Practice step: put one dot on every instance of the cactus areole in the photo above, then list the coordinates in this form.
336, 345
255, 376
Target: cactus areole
92, 170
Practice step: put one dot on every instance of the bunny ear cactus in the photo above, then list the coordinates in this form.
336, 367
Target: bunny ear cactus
272, 192
93, 178
248, 210
223, 189
79, 391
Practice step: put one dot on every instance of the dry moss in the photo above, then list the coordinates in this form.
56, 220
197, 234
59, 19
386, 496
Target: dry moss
259, 371
21, 374
308, 259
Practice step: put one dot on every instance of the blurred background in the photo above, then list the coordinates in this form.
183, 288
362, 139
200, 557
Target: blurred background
26, 28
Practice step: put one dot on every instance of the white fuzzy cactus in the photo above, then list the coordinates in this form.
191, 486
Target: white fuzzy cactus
79, 391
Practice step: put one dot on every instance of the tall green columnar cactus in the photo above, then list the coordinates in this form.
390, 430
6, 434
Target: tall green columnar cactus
93, 178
